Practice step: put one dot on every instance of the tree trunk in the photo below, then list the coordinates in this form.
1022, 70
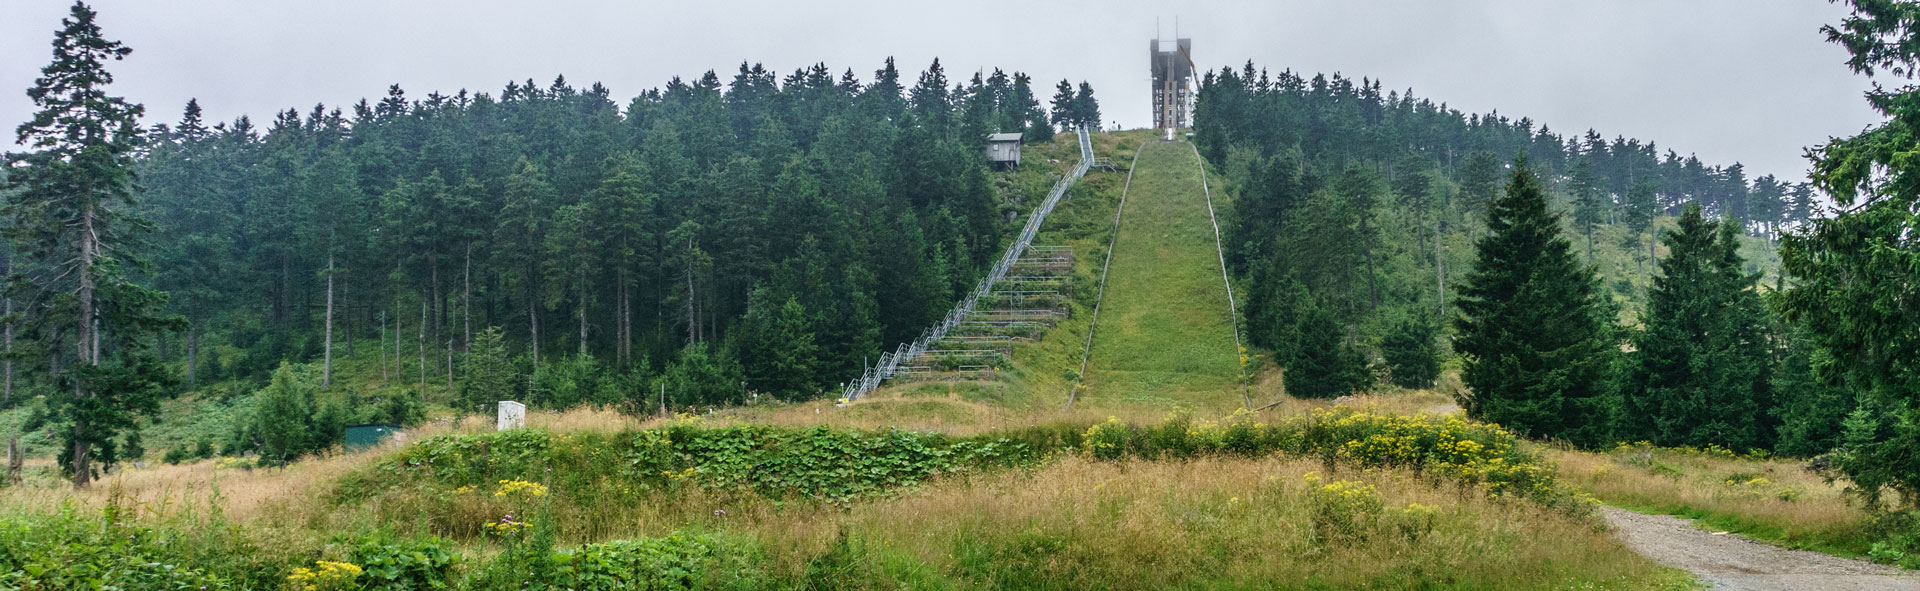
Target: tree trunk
624, 319
466, 303
533, 324
693, 314
1589, 245
88, 348
423, 348
15, 460
1366, 251
397, 375
583, 311
383, 347
344, 285
8, 398
1653, 238
1440, 269
439, 307
286, 289
326, 366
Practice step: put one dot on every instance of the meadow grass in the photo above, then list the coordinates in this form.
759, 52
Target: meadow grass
1074, 521
1165, 335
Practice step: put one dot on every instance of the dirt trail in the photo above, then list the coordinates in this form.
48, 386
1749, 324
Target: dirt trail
1729, 562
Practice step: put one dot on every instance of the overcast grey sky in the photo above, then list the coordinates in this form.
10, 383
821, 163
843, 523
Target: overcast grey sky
1732, 80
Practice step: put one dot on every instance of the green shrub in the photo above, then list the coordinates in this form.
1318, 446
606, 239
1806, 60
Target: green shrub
67, 551
1900, 532
819, 463
674, 562
841, 466
412, 565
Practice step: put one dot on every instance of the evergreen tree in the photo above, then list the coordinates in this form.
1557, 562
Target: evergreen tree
1479, 181
1533, 330
1852, 275
1065, 113
1588, 203
75, 231
1809, 405
1642, 205
1700, 369
777, 350
1412, 353
490, 374
280, 415
701, 377
1325, 363
1086, 110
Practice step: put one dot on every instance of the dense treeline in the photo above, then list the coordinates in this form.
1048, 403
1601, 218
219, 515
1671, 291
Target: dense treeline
814, 218
1817, 361
1353, 213
1334, 119
706, 242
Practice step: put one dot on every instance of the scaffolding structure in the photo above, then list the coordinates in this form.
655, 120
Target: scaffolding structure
995, 309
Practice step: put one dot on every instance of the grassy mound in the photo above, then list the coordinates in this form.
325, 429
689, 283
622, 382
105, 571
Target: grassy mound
1166, 333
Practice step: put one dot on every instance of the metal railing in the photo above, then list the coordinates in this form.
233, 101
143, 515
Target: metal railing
889, 363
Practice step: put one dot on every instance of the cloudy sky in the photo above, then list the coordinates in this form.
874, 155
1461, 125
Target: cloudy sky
1731, 80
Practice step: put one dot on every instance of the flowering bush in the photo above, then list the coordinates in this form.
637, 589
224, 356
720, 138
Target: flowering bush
520, 489
326, 575
506, 527
1446, 444
1343, 511
1416, 520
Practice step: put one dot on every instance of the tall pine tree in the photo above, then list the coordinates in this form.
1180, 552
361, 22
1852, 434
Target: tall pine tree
1699, 373
76, 230
1533, 330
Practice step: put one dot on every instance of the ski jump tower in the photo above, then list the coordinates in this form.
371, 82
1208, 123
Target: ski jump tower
1172, 63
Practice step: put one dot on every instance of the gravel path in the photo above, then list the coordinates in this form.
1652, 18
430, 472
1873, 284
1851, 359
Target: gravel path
1729, 562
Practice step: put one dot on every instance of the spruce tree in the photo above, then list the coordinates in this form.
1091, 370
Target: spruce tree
1852, 281
76, 231
1063, 108
280, 414
1809, 404
1325, 363
1699, 373
1479, 176
1588, 202
1411, 353
1533, 330
1086, 110
777, 351
1642, 204
490, 374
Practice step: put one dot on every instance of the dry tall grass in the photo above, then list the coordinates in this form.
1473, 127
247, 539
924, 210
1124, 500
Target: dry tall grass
1777, 500
1227, 522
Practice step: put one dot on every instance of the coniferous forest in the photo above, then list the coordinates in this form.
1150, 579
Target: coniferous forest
763, 235
1378, 233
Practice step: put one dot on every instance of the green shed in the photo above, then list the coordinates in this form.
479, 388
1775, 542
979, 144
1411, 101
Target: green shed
361, 437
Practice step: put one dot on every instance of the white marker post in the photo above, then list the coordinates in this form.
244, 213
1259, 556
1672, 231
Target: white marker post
513, 415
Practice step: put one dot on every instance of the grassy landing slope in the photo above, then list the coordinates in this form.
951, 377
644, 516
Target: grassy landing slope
1165, 335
